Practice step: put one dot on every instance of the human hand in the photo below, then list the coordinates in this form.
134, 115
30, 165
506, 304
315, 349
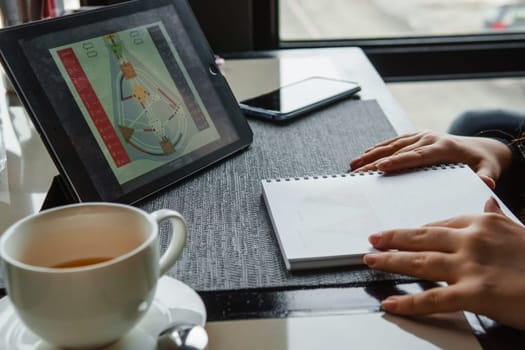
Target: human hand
487, 157
482, 258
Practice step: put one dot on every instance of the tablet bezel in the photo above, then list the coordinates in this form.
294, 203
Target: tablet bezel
71, 163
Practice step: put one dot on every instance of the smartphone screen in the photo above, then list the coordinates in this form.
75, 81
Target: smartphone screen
300, 95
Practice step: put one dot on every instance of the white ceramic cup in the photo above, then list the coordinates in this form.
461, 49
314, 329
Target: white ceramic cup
91, 305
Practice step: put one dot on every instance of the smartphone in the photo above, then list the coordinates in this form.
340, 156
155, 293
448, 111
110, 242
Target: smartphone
298, 98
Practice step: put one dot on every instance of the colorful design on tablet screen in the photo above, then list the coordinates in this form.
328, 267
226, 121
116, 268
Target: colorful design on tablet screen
137, 98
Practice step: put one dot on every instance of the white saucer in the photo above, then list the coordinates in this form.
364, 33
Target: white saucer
174, 301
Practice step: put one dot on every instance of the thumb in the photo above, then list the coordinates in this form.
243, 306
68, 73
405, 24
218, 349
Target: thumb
492, 206
489, 181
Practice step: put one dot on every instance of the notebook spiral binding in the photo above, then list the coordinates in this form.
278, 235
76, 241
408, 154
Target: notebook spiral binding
353, 174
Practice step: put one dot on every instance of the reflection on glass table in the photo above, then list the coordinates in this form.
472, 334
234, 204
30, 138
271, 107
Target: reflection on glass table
28, 168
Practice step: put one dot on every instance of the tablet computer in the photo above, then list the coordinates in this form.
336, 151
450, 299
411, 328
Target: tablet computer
127, 98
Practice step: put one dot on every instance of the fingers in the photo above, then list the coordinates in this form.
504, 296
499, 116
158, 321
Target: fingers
425, 238
420, 156
436, 300
397, 145
431, 266
382, 150
489, 181
416, 157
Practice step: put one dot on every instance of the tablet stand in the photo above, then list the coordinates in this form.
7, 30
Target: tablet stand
57, 194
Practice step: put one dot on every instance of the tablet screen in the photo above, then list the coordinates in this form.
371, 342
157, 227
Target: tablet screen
131, 93
154, 114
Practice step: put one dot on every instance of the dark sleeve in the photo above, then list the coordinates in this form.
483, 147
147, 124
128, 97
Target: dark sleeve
518, 155
514, 180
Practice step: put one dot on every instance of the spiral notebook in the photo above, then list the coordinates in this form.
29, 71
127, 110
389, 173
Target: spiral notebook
325, 221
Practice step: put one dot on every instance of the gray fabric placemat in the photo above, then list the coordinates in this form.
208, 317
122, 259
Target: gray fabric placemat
231, 244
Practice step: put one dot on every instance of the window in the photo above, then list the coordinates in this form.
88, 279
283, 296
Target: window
357, 19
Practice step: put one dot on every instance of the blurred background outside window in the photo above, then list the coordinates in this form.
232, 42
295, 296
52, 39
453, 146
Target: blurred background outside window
342, 19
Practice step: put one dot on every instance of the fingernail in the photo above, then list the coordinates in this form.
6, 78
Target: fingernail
374, 239
389, 304
370, 259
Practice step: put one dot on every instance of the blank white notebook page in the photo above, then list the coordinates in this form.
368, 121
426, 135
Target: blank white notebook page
333, 216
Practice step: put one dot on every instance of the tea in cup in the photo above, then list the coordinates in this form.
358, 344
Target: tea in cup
81, 276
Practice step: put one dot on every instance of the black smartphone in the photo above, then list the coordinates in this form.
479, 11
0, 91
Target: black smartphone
295, 99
